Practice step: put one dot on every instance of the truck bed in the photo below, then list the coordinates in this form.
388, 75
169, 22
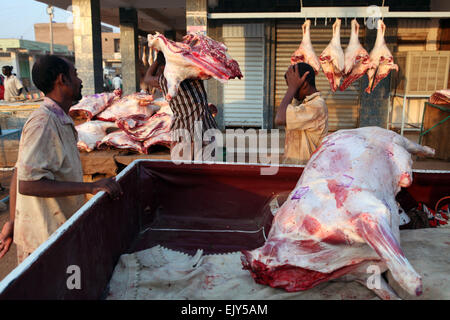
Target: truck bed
215, 207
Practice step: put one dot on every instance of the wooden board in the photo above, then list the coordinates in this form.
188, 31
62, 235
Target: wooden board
437, 138
99, 162
127, 159
18, 107
105, 162
9, 150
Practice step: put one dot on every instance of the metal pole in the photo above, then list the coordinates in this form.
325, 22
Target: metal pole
50, 13
403, 115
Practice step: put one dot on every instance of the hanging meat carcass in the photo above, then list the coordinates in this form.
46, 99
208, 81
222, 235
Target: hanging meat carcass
332, 58
137, 103
381, 59
197, 57
342, 216
120, 140
305, 52
92, 132
357, 60
90, 106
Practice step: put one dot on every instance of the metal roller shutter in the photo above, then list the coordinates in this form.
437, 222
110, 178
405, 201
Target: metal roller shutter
244, 99
343, 106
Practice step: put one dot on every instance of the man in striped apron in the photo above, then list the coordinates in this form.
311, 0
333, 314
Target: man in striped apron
192, 116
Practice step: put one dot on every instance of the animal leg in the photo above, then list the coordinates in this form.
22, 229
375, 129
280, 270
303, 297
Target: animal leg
413, 147
384, 291
377, 234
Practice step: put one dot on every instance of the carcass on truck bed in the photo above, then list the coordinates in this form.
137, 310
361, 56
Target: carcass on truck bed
215, 207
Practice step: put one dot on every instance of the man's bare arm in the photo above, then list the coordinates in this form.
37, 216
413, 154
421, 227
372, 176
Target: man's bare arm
294, 82
280, 119
6, 235
151, 76
12, 196
51, 189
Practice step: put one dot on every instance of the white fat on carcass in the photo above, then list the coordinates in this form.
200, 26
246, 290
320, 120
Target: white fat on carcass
332, 58
137, 103
305, 52
381, 59
90, 106
357, 60
342, 216
120, 140
92, 132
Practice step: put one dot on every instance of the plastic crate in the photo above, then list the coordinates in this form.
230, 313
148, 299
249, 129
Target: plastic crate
421, 72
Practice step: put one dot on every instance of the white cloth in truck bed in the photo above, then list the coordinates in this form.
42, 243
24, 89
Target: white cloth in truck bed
160, 273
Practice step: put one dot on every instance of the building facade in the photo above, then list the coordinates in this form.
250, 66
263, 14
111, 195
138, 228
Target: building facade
21, 55
263, 42
63, 35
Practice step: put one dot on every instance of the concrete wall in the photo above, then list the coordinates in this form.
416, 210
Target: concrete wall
5, 61
129, 50
62, 34
88, 45
108, 46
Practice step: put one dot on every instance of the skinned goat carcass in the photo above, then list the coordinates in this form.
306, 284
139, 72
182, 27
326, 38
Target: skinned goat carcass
120, 140
332, 58
357, 60
342, 216
381, 59
440, 97
149, 131
305, 52
163, 138
197, 57
137, 103
140, 127
92, 132
90, 106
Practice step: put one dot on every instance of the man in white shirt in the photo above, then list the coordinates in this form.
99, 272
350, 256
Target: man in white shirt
117, 82
47, 186
13, 86
304, 113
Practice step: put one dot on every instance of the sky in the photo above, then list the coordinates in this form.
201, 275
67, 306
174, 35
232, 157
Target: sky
17, 18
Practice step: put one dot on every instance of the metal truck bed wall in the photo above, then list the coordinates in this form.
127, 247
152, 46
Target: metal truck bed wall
216, 207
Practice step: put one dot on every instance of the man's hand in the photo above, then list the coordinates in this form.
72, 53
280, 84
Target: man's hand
293, 79
6, 238
109, 185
